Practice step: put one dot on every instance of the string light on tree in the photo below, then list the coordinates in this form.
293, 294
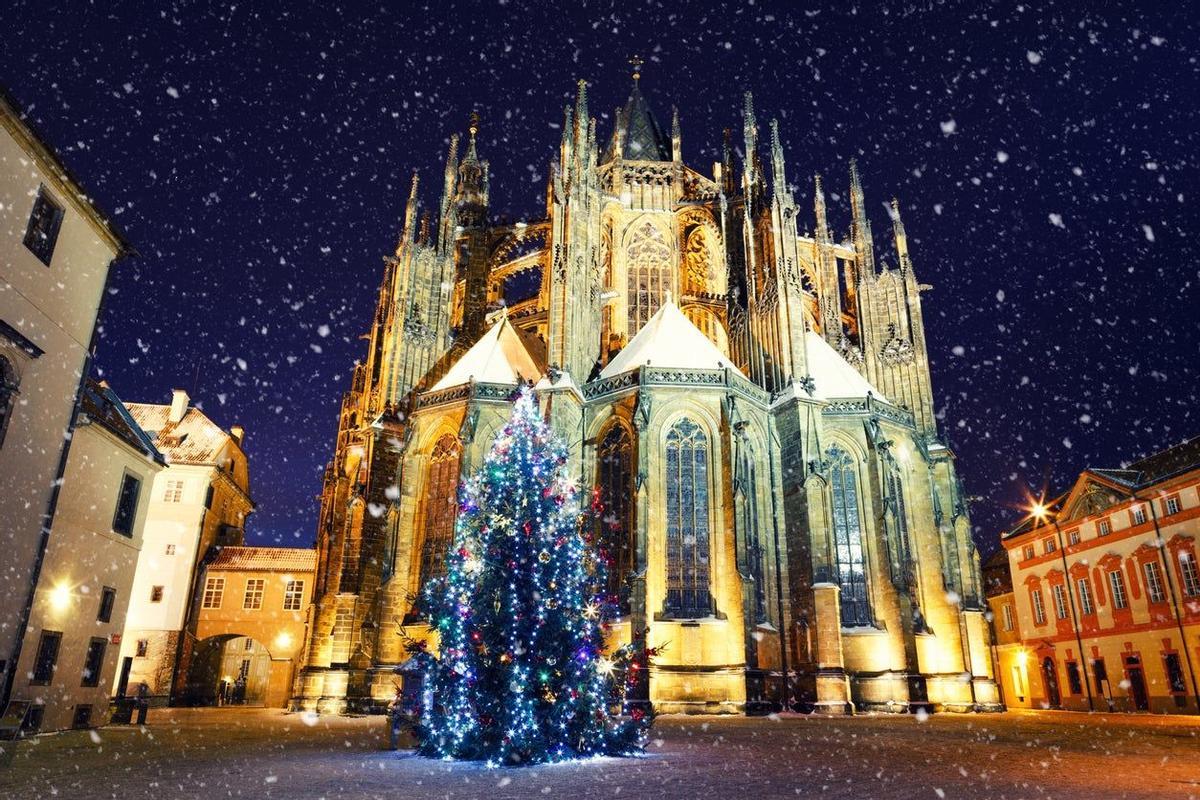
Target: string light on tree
520, 676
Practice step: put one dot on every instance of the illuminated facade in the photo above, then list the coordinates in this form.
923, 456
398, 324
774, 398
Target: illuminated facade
751, 401
1110, 571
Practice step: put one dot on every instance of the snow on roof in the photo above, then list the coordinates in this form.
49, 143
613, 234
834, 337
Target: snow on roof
195, 439
265, 559
669, 339
832, 374
502, 355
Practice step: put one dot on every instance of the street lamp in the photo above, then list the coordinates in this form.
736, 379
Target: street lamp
1040, 511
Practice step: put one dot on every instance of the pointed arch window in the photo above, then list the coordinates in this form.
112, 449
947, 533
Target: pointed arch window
687, 511
614, 482
441, 506
751, 530
648, 266
850, 560
391, 543
895, 490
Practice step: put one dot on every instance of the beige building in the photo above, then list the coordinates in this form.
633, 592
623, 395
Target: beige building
56, 249
250, 626
69, 668
1104, 600
201, 501
749, 394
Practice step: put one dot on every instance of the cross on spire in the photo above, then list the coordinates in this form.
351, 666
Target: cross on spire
636, 62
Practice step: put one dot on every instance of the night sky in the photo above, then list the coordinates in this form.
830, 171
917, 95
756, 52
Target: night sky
1045, 159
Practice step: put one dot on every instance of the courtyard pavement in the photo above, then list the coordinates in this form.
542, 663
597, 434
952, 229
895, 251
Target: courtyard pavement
212, 753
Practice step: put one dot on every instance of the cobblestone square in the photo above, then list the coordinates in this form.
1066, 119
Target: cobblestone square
266, 753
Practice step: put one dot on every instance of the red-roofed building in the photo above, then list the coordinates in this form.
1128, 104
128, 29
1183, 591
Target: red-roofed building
250, 625
1106, 592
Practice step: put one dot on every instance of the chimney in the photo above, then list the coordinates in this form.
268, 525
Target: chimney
179, 405
238, 433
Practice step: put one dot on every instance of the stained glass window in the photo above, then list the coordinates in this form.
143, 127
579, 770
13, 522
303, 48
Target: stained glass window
848, 539
614, 480
648, 266
687, 521
441, 505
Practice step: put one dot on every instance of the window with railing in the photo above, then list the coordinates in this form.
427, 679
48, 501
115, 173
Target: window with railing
687, 511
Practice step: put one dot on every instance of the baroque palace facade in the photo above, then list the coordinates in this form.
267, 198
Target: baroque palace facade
752, 403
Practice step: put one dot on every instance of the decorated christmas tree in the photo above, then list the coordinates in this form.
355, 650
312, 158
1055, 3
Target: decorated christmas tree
520, 676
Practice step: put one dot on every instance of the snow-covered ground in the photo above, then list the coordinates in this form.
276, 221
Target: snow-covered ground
259, 753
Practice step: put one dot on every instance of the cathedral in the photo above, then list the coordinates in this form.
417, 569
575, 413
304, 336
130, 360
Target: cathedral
749, 395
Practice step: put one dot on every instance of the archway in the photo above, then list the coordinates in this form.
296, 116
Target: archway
229, 670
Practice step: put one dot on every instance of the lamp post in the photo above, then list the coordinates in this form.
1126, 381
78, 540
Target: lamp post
1042, 512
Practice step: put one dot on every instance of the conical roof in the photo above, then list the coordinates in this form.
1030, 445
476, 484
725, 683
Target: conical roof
832, 375
642, 138
504, 354
669, 339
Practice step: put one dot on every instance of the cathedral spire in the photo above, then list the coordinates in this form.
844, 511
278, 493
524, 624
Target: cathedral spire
471, 196
778, 168
861, 227
410, 212
822, 220
900, 236
749, 138
446, 222
676, 137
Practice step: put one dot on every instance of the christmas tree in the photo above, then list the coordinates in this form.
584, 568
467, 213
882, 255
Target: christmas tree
520, 676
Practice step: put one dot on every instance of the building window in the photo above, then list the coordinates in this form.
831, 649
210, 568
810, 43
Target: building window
1028, 552
895, 504
1085, 596
848, 539
1048, 546
1073, 536
1174, 673
252, 601
170, 550
614, 482
1008, 616
93, 663
174, 492
755, 555
248, 646
648, 267
143, 647
46, 658
1103, 528
81, 717
156, 594
293, 595
214, 590
1039, 611
8, 394
1116, 582
41, 234
208, 497
1074, 677
108, 598
1154, 586
1100, 672
1060, 601
687, 521
1171, 504
127, 501
441, 506
1189, 573
1138, 514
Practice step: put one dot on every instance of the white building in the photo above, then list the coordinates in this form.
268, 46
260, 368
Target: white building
68, 667
199, 502
56, 249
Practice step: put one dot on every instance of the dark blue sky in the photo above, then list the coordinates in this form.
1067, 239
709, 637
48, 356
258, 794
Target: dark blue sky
1046, 162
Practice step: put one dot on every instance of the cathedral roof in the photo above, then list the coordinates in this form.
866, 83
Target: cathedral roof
669, 339
832, 375
642, 138
502, 355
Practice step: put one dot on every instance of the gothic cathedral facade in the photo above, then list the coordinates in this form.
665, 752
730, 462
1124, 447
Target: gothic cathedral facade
751, 401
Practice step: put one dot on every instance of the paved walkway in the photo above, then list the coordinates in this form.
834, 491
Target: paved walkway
260, 753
